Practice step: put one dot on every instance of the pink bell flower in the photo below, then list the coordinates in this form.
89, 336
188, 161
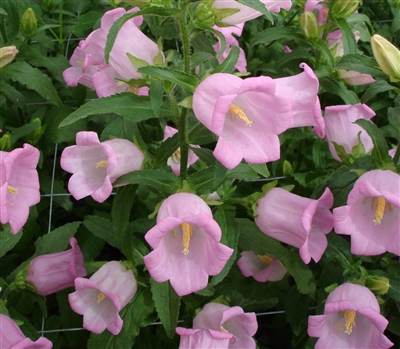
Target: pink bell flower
247, 13
95, 166
351, 320
11, 337
19, 185
297, 221
54, 272
341, 129
261, 268
246, 115
355, 78
372, 214
174, 161
204, 339
234, 320
102, 296
186, 244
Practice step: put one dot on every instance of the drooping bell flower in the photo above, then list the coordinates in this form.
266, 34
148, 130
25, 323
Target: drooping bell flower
186, 244
54, 272
246, 115
95, 166
372, 214
102, 296
174, 161
297, 221
234, 320
11, 337
19, 185
204, 339
351, 320
341, 129
261, 268
355, 78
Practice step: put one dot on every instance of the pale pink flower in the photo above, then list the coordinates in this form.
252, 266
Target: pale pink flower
54, 272
392, 152
355, 78
234, 320
186, 244
204, 339
287, 49
247, 115
95, 166
19, 185
100, 298
372, 214
351, 320
297, 221
261, 268
174, 161
341, 129
11, 337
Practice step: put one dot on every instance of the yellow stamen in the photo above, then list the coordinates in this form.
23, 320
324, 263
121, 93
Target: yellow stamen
187, 234
379, 204
79, 62
100, 297
325, 11
177, 155
121, 83
266, 259
10, 204
238, 112
12, 190
102, 163
134, 90
350, 317
223, 329
174, 233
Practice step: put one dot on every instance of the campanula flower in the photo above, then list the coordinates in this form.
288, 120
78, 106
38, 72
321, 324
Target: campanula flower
204, 339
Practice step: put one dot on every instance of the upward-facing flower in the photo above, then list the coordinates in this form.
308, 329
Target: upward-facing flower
204, 339
372, 214
186, 244
351, 320
19, 185
95, 166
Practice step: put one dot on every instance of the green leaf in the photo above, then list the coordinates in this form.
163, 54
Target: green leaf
229, 62
296, 310
156, 95
103, 229
167, 148
362, 64
166, 182
374, 89
23, 131
348, 38
167, 304
394, 118
217, 33
243, 172
202, 182
57, 240
134, 108
261, 169
322, 46
276, 33
35, 80
8, 240
186, 81
258, 6
121, 208
340, 89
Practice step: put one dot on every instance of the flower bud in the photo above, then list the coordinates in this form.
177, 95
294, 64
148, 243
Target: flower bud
343, 9
114, 3
396, 3
308, 23
5, 142
387, 55
205, 14
47, 5
7, 54
377, 284
28, 23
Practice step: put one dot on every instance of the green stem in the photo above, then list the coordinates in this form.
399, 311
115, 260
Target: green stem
183, 142
60, 39
328, 28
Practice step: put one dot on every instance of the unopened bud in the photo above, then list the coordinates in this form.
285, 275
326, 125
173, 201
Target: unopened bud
344, 8
309, 24
28, 23
47, 5
387, 55
287, 168
5, 142
205, 14
7, 54
114, 3
377, 284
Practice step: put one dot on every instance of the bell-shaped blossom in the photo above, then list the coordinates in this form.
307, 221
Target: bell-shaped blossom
100, 298
247, 13
355, 78
95, 166
247, 115
228, 32
186, 244
341, 129
372, 214
234, 320
19, 185
351, 320
174, 161
297, 221
54, 272
11, 337
204, 339
261, 268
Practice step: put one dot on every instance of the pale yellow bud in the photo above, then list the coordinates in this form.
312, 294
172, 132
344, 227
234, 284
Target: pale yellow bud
387, 55
7, 54
309, 24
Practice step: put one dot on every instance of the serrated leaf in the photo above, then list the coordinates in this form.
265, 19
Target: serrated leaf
8, 240
156, 95
242, 171
221, 37
121, 208
103, 229
348, 38
258, 6
24, 130
229, 62
202, 182
167, 304
167, 148
340, 89
261, 169
374, 89
35, 80
186, 81
362, 64
322, 46
276, 33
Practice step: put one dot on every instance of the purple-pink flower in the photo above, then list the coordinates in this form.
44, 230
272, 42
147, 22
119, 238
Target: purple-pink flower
261, 268
100, 298
186, 244
54, 272
297, 221
95, 166
351, 320
11, 337
372, 214
355, 78
19, 185
204, 339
